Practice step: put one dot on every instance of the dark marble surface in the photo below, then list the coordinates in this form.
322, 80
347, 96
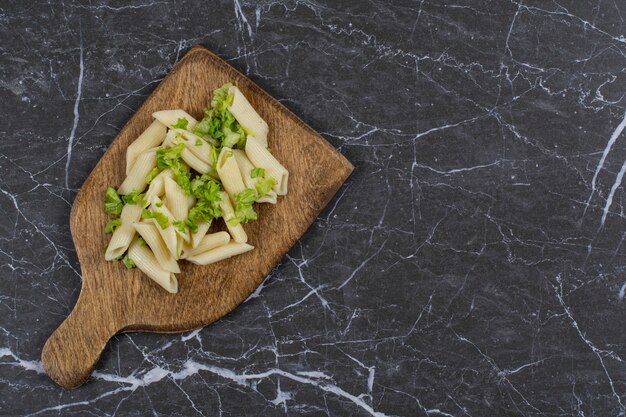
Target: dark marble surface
473, 265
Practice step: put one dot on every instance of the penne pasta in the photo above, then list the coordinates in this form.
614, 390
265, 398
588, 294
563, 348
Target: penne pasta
177, 202
194, 162
157, 186
208, 242
147, 263
150, 234
236, 231
260, 157
170, 117
198, 146
168, 234
136, 179
247, 117
151, 137
220, 253
191, 201
245, 168
196, 237
125, 232
229, 173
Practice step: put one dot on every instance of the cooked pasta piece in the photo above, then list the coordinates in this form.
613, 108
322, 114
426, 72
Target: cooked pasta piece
151, 137
136, 179
260, 157
157, 186
191, 201
196, 237
208, 242
176, 199
168, 233
220, 253
228, 172
151, 235
236, 230
247, 117
147, 263
194, 162
170, 117
198, 146
124, 234
246, 167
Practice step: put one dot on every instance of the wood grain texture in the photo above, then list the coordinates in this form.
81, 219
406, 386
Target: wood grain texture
114, 299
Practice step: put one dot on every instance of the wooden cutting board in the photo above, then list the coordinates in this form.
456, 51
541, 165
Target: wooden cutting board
114, 300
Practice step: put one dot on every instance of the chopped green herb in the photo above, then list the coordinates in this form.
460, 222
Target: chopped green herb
264, 185
141, 241
133, 197
198, 142
165, 156
170, 158
214, 155
161, 218
244, 201
207, 208
112, 225
128, 263
181, 123
219, 122
180, 225
159, 204
155, 171
257, 172
234, 221
112, 202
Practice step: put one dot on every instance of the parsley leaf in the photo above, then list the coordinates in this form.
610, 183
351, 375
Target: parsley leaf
244, 201
128, 263
219, 122
155, 171
133, 197
181, 123
180, 225
166, 156
170, 158
161, 218
198, 142
257, 172
112, 225
112, 202
264, 185
207, 208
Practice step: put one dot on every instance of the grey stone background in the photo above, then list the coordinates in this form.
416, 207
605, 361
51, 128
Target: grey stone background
473, 265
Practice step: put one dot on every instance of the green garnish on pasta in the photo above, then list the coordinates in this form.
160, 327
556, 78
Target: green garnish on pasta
243, 205
160, 218
219, 122
264, 185
170, 158
133, 197
112, 225
181, 123
188, 182
257, 172
128, 263
112, 202
155, 171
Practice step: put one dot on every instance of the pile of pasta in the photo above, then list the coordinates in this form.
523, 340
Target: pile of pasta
181, 175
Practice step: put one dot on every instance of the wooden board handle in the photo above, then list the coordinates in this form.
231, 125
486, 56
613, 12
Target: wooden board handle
72, 351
